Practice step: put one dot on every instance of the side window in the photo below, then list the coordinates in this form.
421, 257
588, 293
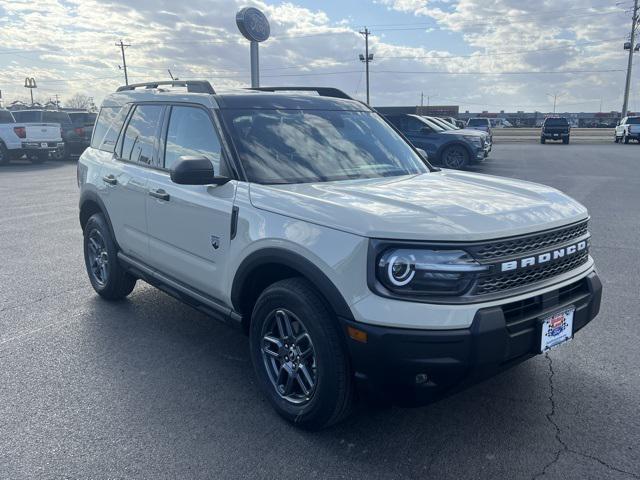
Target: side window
414, 125
138, 145
191, 133
107, 128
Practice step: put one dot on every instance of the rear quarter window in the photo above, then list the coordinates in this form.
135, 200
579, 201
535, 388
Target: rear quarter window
6, 117
478, 122
107, 128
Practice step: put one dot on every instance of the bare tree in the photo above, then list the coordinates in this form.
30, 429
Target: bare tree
79, 101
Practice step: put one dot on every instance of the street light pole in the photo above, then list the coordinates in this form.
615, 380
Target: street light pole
367, 57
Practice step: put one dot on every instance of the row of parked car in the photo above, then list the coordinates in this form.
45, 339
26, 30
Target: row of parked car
445, 142
39, 134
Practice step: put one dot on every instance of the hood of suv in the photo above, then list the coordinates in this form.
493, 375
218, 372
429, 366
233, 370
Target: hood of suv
466, 132
438, 206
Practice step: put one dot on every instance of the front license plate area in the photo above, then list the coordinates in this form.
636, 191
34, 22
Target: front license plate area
43, 145
556, 329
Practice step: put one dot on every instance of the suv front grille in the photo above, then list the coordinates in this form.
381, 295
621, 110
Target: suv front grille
500, 282
524, 245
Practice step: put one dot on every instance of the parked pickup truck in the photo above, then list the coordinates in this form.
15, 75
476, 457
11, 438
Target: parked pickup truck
628, 128
35, 140
555, 128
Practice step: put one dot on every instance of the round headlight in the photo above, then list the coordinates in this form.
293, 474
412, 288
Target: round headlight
400, 270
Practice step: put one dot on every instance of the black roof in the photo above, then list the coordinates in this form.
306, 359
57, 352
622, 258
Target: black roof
250, 100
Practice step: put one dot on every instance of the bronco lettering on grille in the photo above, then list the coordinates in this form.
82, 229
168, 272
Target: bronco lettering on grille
543, 257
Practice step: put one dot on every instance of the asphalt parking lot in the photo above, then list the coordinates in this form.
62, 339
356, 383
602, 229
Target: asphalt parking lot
150, 388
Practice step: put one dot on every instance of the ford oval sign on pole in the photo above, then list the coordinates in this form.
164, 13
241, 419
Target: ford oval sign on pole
253, 24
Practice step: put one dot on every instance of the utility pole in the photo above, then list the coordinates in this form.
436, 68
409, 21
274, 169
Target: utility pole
555, 99
124, 60
422, 99
57, 102
366, 58
634, 23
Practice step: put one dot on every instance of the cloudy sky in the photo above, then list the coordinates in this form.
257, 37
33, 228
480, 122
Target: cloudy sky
479, 54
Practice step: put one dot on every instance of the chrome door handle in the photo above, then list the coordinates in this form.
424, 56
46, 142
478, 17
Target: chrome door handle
110, 179
160, 194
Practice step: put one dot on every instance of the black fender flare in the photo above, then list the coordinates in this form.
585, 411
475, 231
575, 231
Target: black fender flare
273, 255
91, 196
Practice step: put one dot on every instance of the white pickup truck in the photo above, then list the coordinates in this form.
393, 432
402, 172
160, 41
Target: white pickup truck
35, 140
627, 129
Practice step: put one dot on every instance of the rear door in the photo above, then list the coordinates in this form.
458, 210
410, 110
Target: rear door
125, 178
190, 225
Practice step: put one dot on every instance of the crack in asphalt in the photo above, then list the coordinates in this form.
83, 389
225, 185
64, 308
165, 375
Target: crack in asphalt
563, 446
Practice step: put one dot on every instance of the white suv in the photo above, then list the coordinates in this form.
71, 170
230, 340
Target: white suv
305, 219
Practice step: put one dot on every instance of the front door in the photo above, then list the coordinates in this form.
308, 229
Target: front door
189, 225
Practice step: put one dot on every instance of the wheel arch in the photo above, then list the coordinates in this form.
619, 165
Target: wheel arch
90, 204
269, 265
453, 143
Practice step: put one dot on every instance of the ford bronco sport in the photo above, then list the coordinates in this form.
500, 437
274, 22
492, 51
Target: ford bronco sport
309, 222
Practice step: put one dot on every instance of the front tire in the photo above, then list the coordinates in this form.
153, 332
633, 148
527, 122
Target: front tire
298, 356
565, 141
106, 275
625, 138
455, 156
542, 140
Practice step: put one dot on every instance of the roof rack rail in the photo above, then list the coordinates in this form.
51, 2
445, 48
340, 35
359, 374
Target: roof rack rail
322, 91
193, 86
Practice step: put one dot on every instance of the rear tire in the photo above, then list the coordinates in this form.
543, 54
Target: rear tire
298, 355
106, 275
565, 141
4, 154
39, 158
616, 139
455, 156
60, 154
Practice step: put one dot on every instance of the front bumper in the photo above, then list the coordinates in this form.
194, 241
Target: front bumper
389, 364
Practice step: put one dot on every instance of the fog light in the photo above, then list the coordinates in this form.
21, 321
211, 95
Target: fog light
421, 378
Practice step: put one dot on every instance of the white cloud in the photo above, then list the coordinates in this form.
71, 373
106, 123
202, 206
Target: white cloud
69, 46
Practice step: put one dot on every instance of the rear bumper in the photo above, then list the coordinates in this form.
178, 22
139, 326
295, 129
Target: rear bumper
553, 135
41, 146
387, 365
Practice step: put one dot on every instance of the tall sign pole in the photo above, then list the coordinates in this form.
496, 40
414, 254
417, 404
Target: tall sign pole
254, 26
632, 39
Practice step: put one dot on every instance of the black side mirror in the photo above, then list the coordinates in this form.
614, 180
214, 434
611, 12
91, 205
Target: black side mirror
195, 171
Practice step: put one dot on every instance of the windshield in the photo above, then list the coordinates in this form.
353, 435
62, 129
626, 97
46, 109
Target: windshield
441, 123
477, 122
299, 146
434, 126
556, 122
633, 120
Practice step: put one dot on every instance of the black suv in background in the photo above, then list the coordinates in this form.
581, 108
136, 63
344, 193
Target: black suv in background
74, 140
555, 128
449, 148
83, 123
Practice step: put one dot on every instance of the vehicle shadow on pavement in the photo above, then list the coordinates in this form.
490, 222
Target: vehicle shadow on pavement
27, 166
167, 369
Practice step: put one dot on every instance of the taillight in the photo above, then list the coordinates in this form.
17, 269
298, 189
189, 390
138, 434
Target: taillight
79, 131
21, 132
